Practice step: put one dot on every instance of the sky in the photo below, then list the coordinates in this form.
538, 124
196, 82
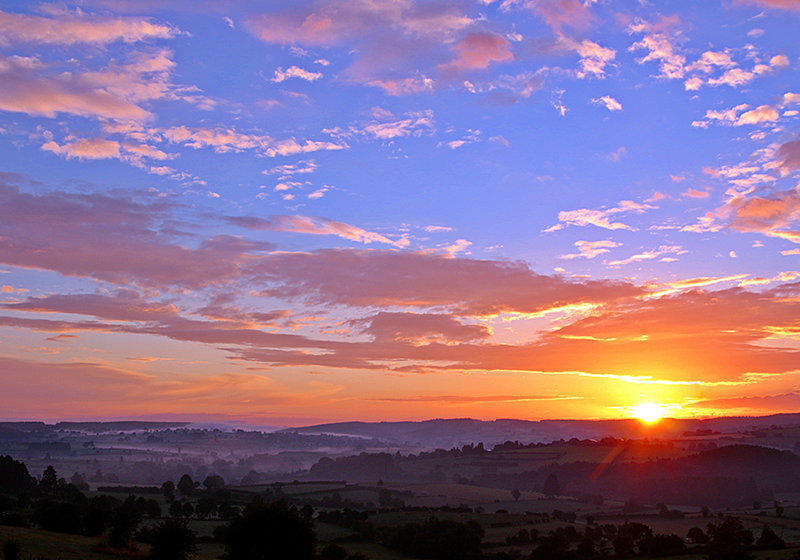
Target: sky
291, 212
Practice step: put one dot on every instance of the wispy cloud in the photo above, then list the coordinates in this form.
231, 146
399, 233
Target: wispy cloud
608, 102
591, 249
599, 218
315, 226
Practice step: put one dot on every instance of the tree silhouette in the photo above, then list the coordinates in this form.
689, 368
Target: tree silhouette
729, 540
214, 482
172, 539
186, 485
49, 482
14, 476
769, 540
273, 531
697, 536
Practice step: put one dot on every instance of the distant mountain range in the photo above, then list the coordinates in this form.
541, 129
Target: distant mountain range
454, 432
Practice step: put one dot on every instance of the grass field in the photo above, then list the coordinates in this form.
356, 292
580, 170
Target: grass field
36, 543
54, 546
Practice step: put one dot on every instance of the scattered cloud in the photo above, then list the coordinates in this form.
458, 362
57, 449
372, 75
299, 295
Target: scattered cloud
591, 249
282, 75
599, 218
417, 123
437, 229
608, 102
650, 255
314, 226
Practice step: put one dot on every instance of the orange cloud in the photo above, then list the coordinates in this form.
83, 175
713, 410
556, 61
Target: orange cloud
58, 391
771, 215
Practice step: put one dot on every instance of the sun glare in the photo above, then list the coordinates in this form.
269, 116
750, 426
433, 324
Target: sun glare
648, 412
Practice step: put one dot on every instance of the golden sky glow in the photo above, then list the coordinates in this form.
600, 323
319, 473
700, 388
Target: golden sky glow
399, 210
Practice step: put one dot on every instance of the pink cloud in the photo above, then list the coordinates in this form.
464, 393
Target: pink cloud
332, 21
68, 29
694, 193
425, 280
314, 226
85, 148
396, 42
404, 86
417, 123
114, 239
780, 4
633, 339
25, 92
417, 328
224, 140
125, 305
477, 50
558, 13
788, 155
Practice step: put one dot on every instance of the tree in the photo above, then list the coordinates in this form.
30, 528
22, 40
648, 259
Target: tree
551, 486
697, 536
270, 531
769, 540
168, 489
660, 545
14, 476
186, 485
438, 539
729, 540
516, 494
152, 509
172, 539
49, 482
214, 482
124, 521
187, 509
176, 509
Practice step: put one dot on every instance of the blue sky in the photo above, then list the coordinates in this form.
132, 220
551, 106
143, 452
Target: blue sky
287, 212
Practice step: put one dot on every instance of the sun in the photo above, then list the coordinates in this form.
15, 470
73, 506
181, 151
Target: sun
648, 412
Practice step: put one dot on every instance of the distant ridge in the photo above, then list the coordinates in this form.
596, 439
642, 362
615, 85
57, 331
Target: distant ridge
468, 430
118, 426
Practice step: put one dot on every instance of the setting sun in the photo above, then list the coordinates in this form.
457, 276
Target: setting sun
648, 412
